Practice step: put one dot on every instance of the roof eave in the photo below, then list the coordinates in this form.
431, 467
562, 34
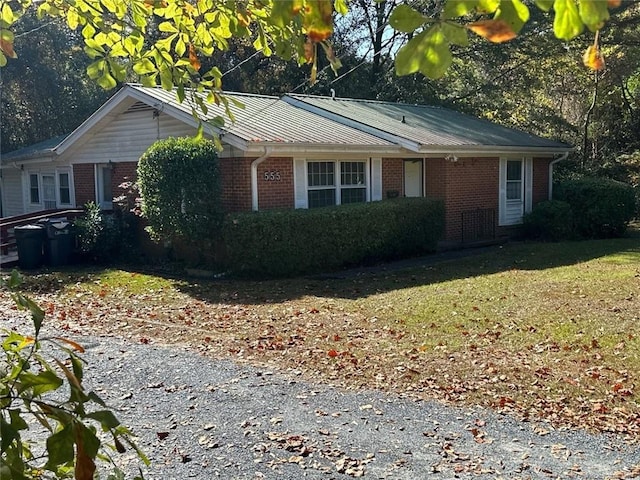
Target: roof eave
292, 149
495, 150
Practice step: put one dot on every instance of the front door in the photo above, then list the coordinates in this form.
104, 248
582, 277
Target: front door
413, 178
49, 191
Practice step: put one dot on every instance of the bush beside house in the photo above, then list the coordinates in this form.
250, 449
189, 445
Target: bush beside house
583, 208
283, 243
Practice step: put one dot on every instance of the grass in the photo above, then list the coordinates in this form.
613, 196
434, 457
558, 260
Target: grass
546, 332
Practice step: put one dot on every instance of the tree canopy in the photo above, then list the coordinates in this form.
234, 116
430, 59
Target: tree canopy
164, 41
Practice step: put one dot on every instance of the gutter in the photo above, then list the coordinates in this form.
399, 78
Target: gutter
254, 177
559, 159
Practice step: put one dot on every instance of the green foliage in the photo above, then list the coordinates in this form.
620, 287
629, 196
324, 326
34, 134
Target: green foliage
99, 234
601, 207
179, 184
35, 375
286, 243
551, 221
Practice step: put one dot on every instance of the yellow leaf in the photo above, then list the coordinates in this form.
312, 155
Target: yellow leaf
496, 31
593, 58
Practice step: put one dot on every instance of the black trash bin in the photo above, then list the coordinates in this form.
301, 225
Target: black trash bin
58, 243
29, 240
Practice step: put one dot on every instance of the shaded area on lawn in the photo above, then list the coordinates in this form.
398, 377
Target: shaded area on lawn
366, 281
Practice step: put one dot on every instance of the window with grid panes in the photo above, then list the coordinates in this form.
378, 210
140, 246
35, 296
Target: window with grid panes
353, 188
327, 180
321, 184
64, 188
34, 190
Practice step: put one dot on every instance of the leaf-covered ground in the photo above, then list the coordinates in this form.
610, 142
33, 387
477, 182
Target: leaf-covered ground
539, 331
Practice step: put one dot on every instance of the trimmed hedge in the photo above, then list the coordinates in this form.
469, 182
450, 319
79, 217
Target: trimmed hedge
294, 242
550, 221
601, 207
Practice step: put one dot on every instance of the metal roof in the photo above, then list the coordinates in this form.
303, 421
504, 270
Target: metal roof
424, 125
268, 119
37, 150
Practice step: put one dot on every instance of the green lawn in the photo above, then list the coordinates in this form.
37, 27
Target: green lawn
541, 331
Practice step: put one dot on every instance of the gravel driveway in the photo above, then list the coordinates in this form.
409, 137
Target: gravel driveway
201, 418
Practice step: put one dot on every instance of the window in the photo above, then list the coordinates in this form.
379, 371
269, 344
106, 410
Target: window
352, 180
104, 187
321, 183
34, 190
331, 183
514, 180
64, 188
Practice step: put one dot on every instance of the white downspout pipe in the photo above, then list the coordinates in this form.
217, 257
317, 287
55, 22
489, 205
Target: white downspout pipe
254, 177
559, 159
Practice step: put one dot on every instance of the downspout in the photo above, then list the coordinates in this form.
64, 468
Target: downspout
559, 159
254, 177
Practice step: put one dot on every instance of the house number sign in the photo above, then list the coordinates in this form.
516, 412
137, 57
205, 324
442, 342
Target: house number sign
272, 176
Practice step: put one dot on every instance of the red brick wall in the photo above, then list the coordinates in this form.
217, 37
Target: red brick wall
435, 178
540, 180
236, 183
121, 173
392, 176
472, 183
276, 191
84, 183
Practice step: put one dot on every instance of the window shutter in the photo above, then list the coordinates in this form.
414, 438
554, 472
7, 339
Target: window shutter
502, 182
376, 179
299, 183
528, 184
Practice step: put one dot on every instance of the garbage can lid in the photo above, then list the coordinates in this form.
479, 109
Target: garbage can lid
29, 227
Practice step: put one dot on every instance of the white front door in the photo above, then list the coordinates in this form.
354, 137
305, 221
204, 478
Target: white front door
413, 179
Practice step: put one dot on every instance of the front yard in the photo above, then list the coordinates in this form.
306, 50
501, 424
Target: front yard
546, 332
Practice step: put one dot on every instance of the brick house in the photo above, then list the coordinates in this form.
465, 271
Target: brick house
300, 151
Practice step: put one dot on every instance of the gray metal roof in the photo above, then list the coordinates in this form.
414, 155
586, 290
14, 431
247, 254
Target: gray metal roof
267, 119
37, 150
424, 125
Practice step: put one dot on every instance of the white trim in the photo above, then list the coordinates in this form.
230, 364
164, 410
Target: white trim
507, 207
300, 182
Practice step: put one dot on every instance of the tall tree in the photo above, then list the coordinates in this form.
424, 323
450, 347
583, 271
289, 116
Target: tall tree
42, 94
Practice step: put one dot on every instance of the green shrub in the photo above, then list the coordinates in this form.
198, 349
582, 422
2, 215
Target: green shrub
601, 207
99, 234
179, 185
292, 242
551, 221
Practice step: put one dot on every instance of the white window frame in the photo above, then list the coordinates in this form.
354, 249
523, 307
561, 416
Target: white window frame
55, 173
511, 211
337, 187
101, 198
